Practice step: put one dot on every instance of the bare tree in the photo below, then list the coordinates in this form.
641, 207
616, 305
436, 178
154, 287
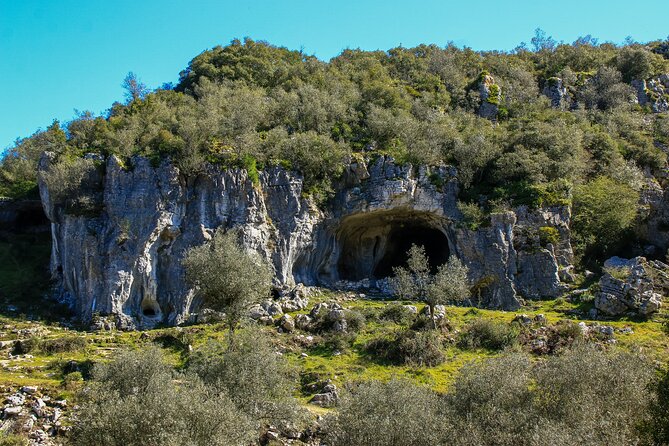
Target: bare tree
448, 285
134, 88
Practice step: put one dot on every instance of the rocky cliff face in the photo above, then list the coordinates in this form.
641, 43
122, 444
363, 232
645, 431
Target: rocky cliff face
126, 259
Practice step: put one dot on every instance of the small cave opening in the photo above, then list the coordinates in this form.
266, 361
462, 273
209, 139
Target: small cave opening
151, 309
370, 246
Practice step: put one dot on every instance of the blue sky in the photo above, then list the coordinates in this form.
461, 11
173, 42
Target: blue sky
62, 55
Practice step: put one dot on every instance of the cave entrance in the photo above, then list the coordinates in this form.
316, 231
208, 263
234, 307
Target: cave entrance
371, 245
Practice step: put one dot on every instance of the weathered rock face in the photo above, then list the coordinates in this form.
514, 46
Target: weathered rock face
653, 92
491, 96
629, 286
557, 93
126, 261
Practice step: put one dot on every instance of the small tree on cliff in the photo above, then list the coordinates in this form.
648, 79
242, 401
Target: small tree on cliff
448, 285
227, 277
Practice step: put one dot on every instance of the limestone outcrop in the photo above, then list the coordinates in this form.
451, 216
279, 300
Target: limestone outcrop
630, 286
556, 91
653, 92
491, 97
125, 259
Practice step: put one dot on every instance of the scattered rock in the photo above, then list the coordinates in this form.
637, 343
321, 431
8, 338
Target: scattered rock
327, 398
523, 319
286, 323
12, 411
30, 390
303, 321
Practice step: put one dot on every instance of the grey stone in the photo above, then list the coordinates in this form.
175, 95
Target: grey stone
635, 293
287, 323
303, 321
490, 99
128, 259
556, 92
12, 411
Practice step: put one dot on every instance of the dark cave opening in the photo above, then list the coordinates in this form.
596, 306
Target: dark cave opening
149, 312
399, 242
372, 245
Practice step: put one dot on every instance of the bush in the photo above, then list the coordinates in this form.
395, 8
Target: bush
397, 413
73, 380
50, 346
136, 400
397, 313
327, 321
584, 396
488, 334
415, 348
7, 439
548, 234
603, 210
68, 178
251, 373
473, 216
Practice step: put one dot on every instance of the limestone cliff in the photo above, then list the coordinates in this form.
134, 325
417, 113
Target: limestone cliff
125, 260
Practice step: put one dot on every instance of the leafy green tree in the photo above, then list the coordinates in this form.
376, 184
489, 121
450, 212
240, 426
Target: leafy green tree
603, 209
18, 167
448, 285
639, 63
226, 276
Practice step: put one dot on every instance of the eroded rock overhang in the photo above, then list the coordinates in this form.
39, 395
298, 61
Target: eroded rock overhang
126, 260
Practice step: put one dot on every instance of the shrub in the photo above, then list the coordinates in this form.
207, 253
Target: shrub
7, 439
488, 334
603, 210
584, 396
326, 321
472, 215
548, 234
396, 413
415, 348
397, 313
72, 380
135, 401
69, 177
50, 346
255, 377
618, 272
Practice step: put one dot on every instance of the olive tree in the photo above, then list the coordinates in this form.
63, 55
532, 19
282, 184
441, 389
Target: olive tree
416, 281
138, 399
226, 276
395, 413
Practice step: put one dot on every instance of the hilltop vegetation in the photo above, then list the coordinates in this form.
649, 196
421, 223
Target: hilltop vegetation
253, 105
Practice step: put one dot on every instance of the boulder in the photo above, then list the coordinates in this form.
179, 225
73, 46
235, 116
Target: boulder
629, 285
286, 323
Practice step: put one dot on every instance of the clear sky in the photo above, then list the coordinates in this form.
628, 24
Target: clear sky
62, 55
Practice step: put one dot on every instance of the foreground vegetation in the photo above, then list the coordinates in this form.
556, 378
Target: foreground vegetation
599, 389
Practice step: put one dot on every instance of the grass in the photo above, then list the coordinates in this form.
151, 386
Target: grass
43, 366
24, 280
